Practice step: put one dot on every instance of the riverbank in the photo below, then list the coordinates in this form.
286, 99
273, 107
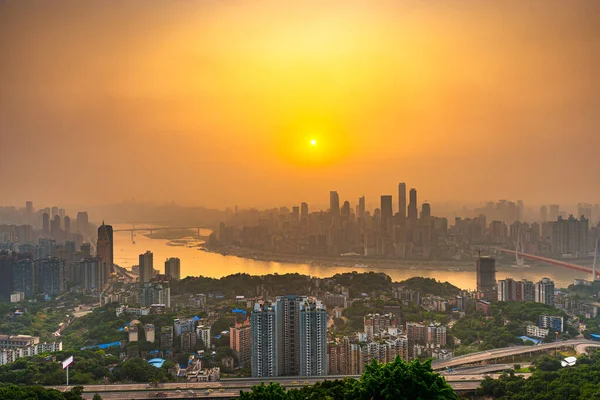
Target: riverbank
341, 261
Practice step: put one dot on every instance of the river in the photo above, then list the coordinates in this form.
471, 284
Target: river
195, 262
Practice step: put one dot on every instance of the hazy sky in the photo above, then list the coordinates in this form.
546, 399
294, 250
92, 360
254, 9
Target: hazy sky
214, 102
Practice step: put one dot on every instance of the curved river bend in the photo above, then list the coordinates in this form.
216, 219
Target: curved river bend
195, 262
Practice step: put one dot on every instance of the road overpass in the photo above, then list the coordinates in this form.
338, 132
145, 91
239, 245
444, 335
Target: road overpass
461, 380
578, 344
231, 388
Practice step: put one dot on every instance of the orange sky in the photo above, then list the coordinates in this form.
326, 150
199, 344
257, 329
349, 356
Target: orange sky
214, 102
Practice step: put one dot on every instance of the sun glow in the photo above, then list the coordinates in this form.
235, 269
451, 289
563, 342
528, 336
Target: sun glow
313, 142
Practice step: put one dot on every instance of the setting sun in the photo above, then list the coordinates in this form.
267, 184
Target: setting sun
313, 142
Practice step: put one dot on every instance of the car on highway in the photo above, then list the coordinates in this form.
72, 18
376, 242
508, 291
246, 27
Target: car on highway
294, 383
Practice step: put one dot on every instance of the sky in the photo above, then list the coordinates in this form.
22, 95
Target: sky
216, 102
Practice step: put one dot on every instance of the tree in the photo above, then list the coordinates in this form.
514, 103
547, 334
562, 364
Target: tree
97, 397
397, 380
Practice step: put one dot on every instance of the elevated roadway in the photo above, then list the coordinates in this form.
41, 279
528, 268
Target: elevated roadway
495, 354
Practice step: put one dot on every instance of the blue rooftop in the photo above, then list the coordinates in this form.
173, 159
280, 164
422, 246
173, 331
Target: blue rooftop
156, 362
524, 338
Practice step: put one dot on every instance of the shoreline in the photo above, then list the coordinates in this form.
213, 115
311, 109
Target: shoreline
359, 263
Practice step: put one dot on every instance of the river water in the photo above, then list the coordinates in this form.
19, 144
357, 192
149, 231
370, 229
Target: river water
195, 262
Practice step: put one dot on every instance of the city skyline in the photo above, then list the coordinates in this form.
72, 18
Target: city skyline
247, 89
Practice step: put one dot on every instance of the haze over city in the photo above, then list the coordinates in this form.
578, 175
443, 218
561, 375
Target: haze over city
266, 103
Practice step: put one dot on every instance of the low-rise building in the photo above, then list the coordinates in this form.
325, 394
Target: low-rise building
536, 331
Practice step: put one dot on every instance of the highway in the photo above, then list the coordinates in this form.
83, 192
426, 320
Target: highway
512, 351
232, 388
465, 378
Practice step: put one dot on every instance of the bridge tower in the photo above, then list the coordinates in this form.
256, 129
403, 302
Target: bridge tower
520, 248
594, 279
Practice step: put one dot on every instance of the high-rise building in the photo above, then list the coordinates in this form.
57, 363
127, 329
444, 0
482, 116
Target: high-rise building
387, 214
313, 339
90, 272
507, 290
401, 203
544, 291
184, 325
7, 262
45, 223
525, 290
436, 334
82, 223
67, 223
554, 212
29, 210
376, 324
54, 212
155, 293
105, 249
334, 207
55, 227
173, 268
570, 236
188, 341
486, 277
146, 266
264, 350
203, 333
239, 339
543, 213
166, 337
288, 309
416, 334
51, 276
461, 303
412, 209
303, 211
361, 210
24, 277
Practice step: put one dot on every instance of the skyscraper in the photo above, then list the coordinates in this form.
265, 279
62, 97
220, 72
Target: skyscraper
361, 210
544, 213
264, 350
55, 227
387, 214
313, 339
45, 223
67, 223
146, 266
104, 250
544, 291
334, 207
412, 209
7, 262
51, 276
24, 277
82, 222
486, 277
173, 268
90, 272
303, 211
554, 212
288, 313
401, 203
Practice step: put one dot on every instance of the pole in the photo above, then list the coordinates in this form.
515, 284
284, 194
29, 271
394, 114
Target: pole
67, 376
